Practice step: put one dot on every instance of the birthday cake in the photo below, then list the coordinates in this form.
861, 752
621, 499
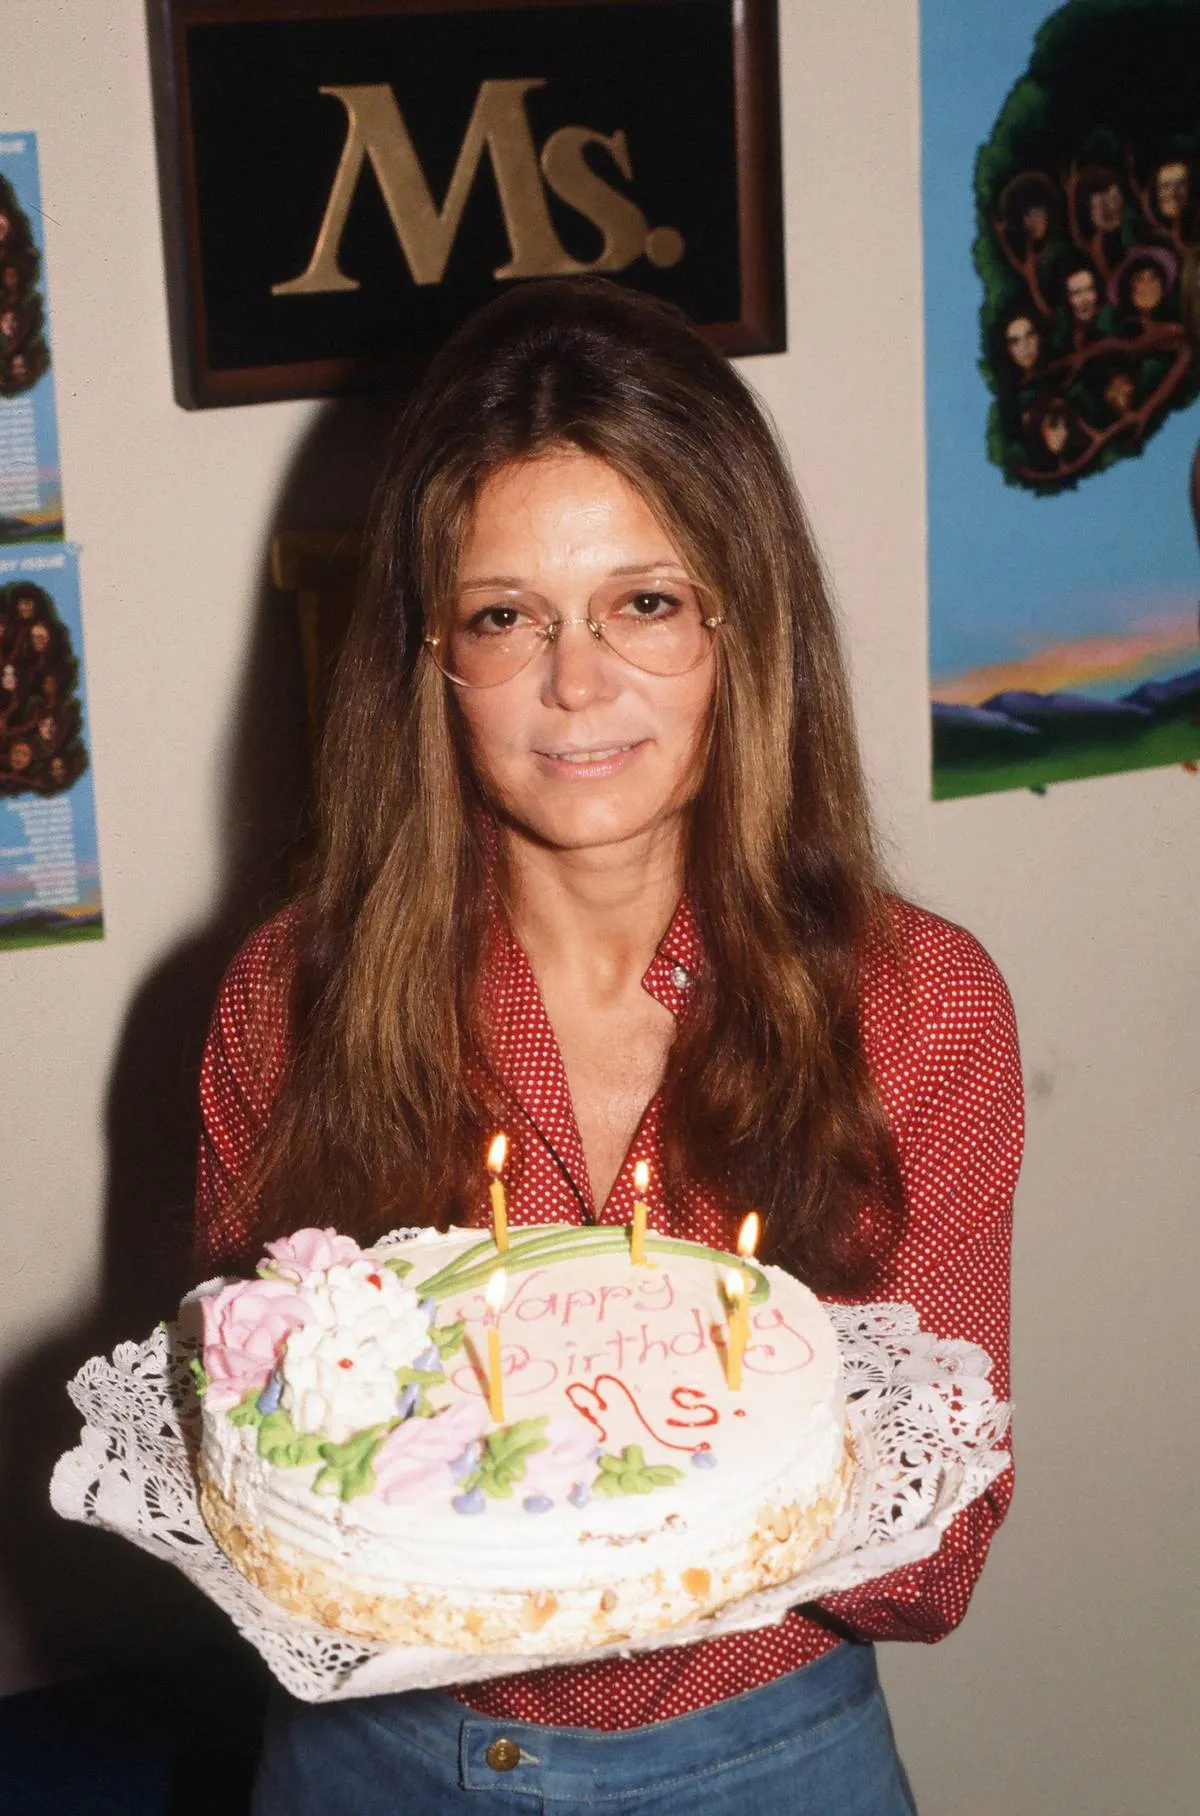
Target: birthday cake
587, 1464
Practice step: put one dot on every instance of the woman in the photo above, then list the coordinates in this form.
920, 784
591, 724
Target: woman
595, 866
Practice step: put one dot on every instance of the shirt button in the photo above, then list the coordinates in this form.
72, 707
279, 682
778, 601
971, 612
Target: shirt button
503, 1755
681, 979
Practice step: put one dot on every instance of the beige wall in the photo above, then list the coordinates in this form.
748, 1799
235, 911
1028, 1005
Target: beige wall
1066, 1689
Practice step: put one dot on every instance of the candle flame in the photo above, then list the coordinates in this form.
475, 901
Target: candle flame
498, 1153
641, 1176
735, 1285
495, 1290
747, 1240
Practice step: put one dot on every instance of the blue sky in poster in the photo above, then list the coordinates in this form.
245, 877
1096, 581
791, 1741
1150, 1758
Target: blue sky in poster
19, 163
1009, 572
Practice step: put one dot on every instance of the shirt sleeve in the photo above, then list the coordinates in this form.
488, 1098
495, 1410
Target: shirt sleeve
240, 1074
952, 1083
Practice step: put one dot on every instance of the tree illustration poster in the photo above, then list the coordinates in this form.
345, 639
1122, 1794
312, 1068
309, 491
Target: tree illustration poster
30, 488
49, 867
1061, 196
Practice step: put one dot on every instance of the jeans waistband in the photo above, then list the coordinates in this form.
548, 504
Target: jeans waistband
600, 1765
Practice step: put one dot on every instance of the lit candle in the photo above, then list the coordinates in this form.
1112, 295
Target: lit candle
637, 1244
497, 1155
747, 1242
494, 1294
735, 1299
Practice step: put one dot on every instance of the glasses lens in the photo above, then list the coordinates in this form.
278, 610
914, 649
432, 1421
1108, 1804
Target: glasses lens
663, 627
658, 626
492, 637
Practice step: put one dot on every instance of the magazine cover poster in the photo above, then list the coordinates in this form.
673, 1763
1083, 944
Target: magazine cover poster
49, 867
1061, 194
30, 485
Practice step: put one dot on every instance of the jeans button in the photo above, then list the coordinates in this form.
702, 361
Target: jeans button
503, 1755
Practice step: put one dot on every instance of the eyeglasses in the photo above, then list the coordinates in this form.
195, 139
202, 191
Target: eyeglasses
663, 627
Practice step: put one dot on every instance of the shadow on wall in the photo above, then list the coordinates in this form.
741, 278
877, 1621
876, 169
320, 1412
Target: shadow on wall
73, 1599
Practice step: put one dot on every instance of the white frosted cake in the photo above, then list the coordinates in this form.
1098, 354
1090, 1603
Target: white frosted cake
352, 1468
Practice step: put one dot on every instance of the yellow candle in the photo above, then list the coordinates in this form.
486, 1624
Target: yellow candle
746, 1244
494, 1294
735, 1299
497, 1155
637, 1242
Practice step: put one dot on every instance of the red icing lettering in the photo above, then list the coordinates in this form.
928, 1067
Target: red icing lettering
764, 1358
524, 1375
659, 1301
690, 1342
691, 1399
611, 1292
529, 1306
585, 1398
577, 1295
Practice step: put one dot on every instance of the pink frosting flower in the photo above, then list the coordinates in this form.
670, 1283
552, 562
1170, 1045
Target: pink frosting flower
308, 1252
245, 1328
568, 1458
420, 1451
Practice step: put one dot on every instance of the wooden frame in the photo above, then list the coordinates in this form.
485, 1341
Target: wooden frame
254, 153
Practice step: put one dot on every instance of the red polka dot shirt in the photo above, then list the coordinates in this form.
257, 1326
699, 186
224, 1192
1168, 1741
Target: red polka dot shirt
941, 1044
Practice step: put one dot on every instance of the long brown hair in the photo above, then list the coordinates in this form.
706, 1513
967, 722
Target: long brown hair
767, 1099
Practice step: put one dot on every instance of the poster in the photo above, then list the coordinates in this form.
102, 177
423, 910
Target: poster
49, 867
1061, 196
30, 485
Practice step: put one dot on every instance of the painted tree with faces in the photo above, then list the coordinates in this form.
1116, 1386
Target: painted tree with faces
1088, 242
24, 355
41, 720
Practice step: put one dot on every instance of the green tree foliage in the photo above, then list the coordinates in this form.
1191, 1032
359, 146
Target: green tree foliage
1087, 200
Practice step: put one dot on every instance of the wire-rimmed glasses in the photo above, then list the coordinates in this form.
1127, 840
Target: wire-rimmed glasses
660, 626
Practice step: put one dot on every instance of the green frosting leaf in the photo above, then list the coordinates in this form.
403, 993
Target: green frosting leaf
196, 1370
506, 1452
422, 1379
398, 1267
246, 1411
449, 1338
631, 1474
348, 1468
281, 1444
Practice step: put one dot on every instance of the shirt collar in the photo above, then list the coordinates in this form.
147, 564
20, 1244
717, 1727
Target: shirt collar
672, 971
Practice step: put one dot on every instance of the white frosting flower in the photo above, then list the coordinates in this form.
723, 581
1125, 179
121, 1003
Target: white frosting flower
370, 1300
365, 1325
336, 1384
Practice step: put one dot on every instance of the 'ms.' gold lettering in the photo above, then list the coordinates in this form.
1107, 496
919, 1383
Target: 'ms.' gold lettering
498, 125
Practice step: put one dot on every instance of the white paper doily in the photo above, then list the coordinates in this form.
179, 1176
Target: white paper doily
927, 1430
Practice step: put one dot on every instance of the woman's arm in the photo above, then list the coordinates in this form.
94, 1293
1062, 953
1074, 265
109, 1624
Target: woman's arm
243, 1063
952, 1081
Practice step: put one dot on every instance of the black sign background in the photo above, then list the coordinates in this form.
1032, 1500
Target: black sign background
257, 147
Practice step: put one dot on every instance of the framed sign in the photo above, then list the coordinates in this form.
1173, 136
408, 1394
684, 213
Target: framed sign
345, 180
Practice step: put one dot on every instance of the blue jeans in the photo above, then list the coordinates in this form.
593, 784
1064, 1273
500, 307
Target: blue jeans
817, 1742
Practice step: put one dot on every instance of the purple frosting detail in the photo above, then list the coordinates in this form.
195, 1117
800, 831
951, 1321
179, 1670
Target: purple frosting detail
463, 1465
473, 1502
407, 1401
537, 1503
704, 1459
429, 1358
580, 1495
268, 1399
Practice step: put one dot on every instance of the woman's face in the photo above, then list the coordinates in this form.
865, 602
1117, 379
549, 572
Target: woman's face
580, 749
